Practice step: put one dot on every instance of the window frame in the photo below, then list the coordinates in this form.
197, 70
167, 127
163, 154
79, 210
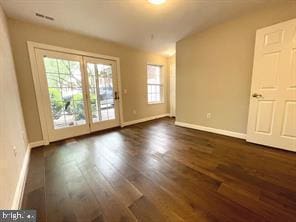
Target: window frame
161, 84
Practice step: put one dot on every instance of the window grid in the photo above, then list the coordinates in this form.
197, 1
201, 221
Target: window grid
154, 84
65, 91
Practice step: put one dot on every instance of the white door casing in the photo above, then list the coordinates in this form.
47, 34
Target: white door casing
173, 89
272, 111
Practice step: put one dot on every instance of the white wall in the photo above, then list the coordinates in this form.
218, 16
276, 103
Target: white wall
12, 129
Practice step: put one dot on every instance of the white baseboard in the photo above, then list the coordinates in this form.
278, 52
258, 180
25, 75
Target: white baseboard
212, 130
19, 192
43, 143
37, 144
144, 119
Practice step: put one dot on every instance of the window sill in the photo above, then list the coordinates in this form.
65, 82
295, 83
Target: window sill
155, 103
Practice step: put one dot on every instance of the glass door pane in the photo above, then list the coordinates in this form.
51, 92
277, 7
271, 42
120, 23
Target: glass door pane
65, 92
101, 92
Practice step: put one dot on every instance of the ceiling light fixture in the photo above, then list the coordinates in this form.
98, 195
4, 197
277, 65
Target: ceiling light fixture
157, 2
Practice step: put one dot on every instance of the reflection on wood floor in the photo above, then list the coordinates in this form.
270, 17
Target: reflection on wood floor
156, 171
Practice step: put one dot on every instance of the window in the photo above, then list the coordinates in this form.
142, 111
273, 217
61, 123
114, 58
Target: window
154, 84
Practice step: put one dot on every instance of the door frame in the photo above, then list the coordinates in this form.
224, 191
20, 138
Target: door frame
107, 123
38, 89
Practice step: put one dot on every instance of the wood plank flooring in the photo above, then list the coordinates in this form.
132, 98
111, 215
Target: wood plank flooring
156, 171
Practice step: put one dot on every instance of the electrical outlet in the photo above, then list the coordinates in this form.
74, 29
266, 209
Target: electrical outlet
134, 111
125, 91
14, 150
209, 115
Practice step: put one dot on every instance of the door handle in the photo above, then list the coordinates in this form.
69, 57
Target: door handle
116, 96
257, 95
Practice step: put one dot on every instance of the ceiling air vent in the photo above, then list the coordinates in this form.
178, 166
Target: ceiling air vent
44, 16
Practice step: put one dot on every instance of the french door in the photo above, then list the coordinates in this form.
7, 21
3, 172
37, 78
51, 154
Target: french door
102, 93
79, 94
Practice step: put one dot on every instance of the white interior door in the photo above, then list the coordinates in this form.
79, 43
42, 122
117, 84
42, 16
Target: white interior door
272, 112
103, 95
63, 94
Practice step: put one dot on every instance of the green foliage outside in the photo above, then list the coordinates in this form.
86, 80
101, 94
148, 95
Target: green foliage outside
64, 83
65, 88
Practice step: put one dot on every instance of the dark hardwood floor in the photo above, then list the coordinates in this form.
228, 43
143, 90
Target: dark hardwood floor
156, 171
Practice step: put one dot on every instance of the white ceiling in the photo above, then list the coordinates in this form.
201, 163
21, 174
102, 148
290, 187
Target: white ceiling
136, 23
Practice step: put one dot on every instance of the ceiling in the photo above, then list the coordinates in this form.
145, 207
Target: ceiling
135, 23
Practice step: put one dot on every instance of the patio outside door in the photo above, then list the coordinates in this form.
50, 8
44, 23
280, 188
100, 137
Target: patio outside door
79, 94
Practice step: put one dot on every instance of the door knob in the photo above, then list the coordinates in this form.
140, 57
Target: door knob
256, 95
